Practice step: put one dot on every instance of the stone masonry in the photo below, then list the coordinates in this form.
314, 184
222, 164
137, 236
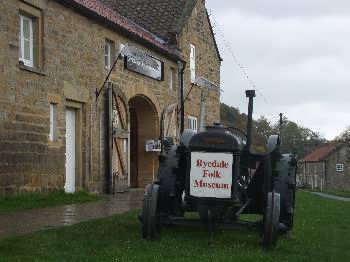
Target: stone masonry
69, 69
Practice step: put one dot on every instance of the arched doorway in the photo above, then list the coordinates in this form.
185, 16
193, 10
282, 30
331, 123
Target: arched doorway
144, 126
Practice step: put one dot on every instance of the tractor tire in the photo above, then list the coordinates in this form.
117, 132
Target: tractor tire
285, 185
271, 220
150, 213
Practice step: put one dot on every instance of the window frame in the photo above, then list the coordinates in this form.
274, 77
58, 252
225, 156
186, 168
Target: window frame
193, 52
53, 123
192, 122
125, 145
171, 78
26, 62
108, 54
339, 168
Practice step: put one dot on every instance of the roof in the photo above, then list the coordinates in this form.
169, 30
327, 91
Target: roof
109, 16
321, 153
150, 22
161, 17
158, 16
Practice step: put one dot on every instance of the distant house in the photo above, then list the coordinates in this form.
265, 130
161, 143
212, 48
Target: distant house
326, 168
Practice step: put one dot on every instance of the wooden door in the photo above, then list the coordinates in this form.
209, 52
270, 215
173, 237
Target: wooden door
120, 142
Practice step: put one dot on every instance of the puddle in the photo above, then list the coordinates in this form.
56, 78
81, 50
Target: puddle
24, 222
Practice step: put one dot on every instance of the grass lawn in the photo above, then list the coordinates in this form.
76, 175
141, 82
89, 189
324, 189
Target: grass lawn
40, 200
322, 233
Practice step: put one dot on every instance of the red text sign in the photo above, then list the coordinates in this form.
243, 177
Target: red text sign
211, 175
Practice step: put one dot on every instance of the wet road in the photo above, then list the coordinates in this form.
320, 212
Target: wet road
24, 222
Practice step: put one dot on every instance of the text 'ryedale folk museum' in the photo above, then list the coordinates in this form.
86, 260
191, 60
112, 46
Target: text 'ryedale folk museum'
62, 127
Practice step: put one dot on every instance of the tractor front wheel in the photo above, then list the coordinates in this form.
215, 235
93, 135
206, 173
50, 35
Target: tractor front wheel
271, 219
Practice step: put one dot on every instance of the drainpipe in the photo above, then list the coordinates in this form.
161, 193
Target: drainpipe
182, 66
202, 112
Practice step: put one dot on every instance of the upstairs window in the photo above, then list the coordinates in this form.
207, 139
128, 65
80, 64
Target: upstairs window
121, 47
193, 63
109, 50
192, 123
339, 167
26, 41
171, 78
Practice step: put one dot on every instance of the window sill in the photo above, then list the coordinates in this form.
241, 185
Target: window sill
31, 69
54, 144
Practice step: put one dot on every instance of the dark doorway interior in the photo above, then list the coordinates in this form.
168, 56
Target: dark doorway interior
144, 125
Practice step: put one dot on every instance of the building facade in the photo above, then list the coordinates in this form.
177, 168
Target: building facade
326, 168
64, 123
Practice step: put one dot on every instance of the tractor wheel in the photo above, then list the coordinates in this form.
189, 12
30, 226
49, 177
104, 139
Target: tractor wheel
271, 220
289, 221
150, 214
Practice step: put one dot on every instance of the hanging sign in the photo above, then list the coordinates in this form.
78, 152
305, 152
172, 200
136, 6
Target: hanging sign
144, 64
211, 175
153, 145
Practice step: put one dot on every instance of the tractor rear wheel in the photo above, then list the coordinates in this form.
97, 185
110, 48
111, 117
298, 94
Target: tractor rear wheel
150, 213
271, 219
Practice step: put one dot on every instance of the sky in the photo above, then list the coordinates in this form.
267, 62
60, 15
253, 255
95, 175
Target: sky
296, 53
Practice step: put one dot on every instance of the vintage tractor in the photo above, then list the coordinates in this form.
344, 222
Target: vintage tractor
215, 174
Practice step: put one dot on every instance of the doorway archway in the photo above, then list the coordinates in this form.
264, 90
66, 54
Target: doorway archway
144, 125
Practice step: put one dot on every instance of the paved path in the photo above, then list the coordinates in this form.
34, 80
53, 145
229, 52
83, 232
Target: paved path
331, 196
24, 222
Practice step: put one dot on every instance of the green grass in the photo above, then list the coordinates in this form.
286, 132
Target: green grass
40, 200
322, 233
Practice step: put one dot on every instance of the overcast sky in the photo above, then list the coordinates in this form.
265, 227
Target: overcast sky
297, 52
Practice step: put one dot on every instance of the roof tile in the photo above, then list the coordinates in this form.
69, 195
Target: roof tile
320, 153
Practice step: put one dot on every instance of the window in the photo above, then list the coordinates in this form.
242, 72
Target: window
192, 123
339, 167
121, 47
53, 122
26, 41
109, 47
125, 145
193, 63
171, 78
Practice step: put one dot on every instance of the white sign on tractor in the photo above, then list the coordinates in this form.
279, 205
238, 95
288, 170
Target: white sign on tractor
211, 175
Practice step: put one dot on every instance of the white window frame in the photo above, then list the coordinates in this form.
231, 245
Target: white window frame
53, 122
171, 78
27, 62
192, 123
121, 47
108, 54
339, 167
125, 145
193, 63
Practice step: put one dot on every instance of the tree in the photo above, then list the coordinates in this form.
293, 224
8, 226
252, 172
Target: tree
295, 139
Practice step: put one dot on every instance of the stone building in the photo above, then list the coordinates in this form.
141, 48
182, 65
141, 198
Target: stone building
326, 168
62, 125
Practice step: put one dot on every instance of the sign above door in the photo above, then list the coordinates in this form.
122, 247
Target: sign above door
144, 64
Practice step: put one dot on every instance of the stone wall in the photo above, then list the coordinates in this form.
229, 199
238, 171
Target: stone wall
72, 68
338, 180
197, 32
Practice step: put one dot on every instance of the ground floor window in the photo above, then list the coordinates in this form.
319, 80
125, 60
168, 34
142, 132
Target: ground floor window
192, 123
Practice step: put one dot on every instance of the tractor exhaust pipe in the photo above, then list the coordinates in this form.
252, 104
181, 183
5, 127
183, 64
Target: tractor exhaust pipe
250, 94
